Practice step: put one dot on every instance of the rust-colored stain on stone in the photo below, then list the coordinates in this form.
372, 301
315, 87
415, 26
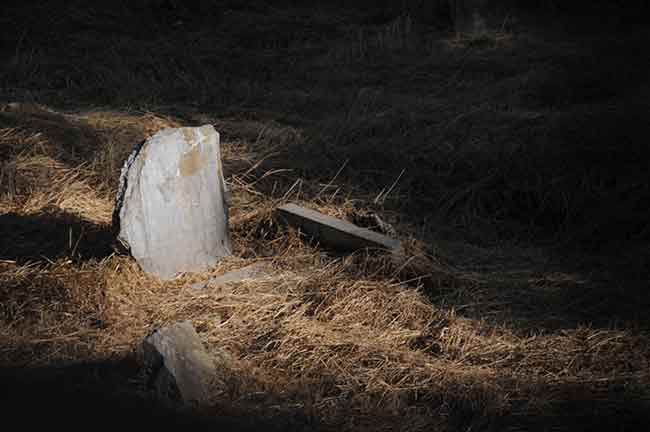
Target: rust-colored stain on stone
192, 161
190, 135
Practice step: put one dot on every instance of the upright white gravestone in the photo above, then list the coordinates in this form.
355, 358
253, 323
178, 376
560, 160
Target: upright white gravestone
171, 209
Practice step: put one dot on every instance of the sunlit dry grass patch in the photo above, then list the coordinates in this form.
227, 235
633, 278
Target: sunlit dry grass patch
346, 341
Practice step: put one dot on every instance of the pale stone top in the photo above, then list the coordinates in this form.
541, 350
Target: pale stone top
171, 208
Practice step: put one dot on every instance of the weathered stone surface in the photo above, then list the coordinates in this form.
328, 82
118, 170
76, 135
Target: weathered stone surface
171, 209
253, 271
178, 366
334, 232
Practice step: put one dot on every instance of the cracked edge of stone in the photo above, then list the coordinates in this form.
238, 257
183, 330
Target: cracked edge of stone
123, 185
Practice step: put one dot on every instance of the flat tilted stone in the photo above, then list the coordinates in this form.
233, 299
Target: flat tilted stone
177, 365
253, 271
171, 209
334, 232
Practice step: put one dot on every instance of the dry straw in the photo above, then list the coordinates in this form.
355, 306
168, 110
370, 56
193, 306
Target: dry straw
364, 341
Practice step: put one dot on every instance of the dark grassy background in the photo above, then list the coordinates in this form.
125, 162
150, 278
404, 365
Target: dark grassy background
540, 136
533, 134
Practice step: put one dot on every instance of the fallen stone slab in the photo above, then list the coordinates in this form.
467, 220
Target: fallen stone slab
253, 271
333, 232
177, 365
171, 210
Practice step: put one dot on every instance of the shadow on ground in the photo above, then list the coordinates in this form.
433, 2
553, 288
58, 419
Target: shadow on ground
69, 141
78, 396
85, 395
51, 235
581, 407
549, 290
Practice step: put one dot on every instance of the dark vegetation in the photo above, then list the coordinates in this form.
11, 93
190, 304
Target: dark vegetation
518, 157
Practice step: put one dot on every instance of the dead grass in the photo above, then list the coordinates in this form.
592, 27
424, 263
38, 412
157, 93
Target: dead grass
340, 341
438, 338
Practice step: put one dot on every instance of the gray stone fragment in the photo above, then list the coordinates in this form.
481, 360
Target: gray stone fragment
253, 271
334, 232
171, 209
178, 366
